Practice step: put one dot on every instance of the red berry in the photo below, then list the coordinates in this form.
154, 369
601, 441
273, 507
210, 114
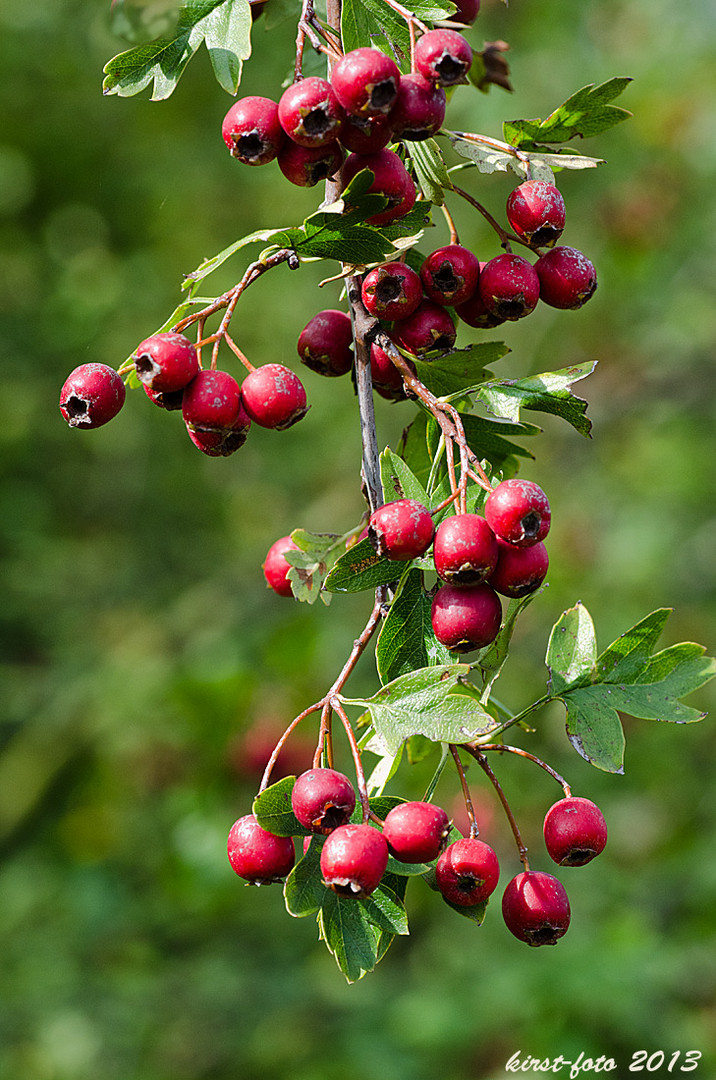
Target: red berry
366, 81
325, 343
166, 362
518, 511
252, 131
444, 57
390, 178
212, 402
574, 831
416, 831
91, 396
366, 135
450, 275
467, 872
465, 619
535, 908
387, 380
258, 855
353, 860
401, 530
224, 441
392, 291
509, 287
419, 110
535, 211
309, 113
276, 568
465, 549
306, 166
171, 401
519, 570
467, 11
428, 329
323, 799
567, 278
274, 396
474, 312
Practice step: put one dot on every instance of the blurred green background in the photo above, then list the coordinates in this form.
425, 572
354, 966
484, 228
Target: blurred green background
140, 645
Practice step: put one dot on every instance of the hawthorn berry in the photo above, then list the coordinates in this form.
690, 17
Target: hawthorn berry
519, 570
354, 859
274, 396
276, 568
474, 312
416, 831
252, 131
366, 82
467, 872
575, 831
430, 328
518, 511
325, 345
166, 362
450, 275
390, 178
366, 135
257, 855
419, 109
535, 908
465, 549
401, 530
467, 11
392, 291
567, 279
509, 287
309, 112
387, 380
323, 799
306, 166
535, 211
221, 442
91, 396
443, 57
466, 618
171, 401
212, 402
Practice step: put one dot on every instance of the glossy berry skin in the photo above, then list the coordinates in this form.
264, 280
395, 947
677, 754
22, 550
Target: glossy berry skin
309, 113
419, 109
252, 131
387, 380
518, 511
575, 831
428, 329
223, 441
353, 860
366, 82
91, 396
306, 166
509, 287
519, 570
535, 211
465, 549
465, 619
366, 135
467, 872
392, 291
443, 57
390, 178
323, 799
212, 402
325, 345
535, 908
467, 11
567, 278
401, 530
166, 362
171, 402
276, 568
450, 275
258, 855
416, 831
274, 397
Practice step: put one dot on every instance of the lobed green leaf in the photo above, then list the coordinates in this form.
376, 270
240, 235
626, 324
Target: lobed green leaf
586, 113
274, 812
407, 640
548, 392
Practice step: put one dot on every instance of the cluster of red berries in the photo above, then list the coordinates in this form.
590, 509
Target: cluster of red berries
354, 856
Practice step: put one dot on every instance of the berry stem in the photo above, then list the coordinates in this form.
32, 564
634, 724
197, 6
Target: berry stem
484, 765
360, 775
281, 742
454, 238
474, 829
499, 747
506, 238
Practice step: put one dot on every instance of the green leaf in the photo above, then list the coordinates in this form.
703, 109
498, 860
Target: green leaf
362, 568
304, 891
491, 155
384, 909
349, 935
311, 563
227, 36
625, 658
430, 170
208, 266
407, 640
586, 113
398, 480
572, 650
492, 660
461, 370
485, 437
274, 812
357, 245
372, 22
548, 392
594, 728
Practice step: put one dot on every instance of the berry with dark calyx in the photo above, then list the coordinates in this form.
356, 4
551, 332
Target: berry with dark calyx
465, 549
419, 109
401, 530
171, 401
91, 396
535, 211
387, 380
390, 178
518, 511
274, 396
366, 135
466, 618
252, 131
520, 570
325, 345
443, 57
353, 860
392, 291
467, 11
474, 312
306, 166
535, 908
450, 275
323, 799
467, 872
223, 441
212, 402
276, 568
575, 831
416, 831
309, 113
166, 362
430, 328
257, 855
509, 287
567, 278
366, 82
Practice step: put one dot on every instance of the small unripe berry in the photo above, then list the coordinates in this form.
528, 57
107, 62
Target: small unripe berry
392, 291
419, 110
401, 530
91, 396
306, 166
323, 799
509, 287
212, 402
416, 831
252, 131
520, 570
444, 57
465, 619
353, 860
467, 872
450, 275
309, 112
574, 831
518, 511
430, 328
465, 549
258, 855
274, 396
390, 178
325, 343
276, 568
366, 81
535, 211
567, 278
166, 362
535, 908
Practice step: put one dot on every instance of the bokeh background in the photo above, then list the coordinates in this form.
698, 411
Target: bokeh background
141, 652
